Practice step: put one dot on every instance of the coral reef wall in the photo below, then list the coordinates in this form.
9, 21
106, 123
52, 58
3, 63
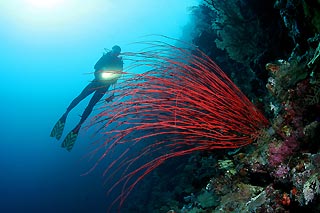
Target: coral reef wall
271, 50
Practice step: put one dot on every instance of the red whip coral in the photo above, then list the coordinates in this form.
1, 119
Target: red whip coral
183, 103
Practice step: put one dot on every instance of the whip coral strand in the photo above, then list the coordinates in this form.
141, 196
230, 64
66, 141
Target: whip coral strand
183, 103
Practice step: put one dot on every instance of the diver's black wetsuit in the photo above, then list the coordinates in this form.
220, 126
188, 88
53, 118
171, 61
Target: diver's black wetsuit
98, 86
107, 71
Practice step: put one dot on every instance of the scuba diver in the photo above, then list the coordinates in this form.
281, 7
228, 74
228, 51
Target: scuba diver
108, 70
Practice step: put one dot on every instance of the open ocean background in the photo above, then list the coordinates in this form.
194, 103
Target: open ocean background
47, 49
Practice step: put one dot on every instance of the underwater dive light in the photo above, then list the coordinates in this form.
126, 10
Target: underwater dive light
110, 74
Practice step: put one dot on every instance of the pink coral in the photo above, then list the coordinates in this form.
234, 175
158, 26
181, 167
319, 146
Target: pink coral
278, 152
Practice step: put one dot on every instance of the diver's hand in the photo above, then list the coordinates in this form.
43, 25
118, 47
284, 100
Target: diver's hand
110, 98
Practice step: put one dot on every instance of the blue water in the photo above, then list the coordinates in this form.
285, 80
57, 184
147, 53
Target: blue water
46, 53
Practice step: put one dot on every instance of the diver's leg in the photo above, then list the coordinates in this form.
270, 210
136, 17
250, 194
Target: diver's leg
89, 89
72, 136
59, 126
94, 100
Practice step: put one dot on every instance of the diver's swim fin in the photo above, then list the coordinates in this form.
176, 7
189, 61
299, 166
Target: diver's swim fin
70, 139
58, 128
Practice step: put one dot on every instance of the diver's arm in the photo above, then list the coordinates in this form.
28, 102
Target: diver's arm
113, 84
111, 97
